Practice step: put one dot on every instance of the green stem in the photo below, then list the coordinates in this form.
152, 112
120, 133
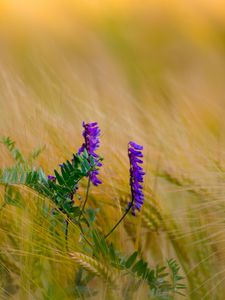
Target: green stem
86, 197
66, 233
120, 220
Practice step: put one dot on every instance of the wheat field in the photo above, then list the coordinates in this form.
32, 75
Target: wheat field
150, 71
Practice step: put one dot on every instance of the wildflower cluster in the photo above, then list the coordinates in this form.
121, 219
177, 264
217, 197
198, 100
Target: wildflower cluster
91, 134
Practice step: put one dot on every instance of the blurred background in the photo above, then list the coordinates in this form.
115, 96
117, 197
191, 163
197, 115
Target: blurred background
150, 71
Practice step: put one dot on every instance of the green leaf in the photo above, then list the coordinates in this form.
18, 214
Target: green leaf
59, 178
130, 261
92, 161
140, 267
87, 165
85, 153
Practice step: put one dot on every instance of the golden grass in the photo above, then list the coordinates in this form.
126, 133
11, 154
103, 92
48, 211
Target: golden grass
153, 74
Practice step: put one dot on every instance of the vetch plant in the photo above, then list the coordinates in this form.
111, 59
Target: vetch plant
99, 258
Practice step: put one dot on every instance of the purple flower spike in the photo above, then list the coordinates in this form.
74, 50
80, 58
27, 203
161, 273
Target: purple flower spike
136, 176
91, 143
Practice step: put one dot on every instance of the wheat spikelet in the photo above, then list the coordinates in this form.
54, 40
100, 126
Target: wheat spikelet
152, 216
94, 266
184, 181
171, 176
148, 222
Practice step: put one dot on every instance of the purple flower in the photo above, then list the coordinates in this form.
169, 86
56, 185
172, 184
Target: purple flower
52, 178
91, 143
136, 176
